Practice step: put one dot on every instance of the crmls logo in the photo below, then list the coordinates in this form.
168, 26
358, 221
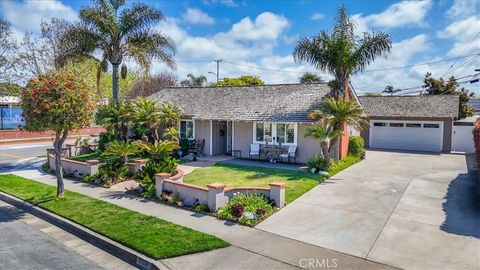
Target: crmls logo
318, 263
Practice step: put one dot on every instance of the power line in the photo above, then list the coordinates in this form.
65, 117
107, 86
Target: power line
463, 51
468, 65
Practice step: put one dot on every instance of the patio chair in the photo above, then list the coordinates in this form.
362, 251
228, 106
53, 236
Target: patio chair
197, 148
291, 153
254, 150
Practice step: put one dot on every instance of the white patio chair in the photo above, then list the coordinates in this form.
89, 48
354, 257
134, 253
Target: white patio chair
254, 150
291, 153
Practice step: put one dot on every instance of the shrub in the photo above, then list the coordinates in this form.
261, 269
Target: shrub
237, 210
104, 139
476, 139
248, 209
109, 173
316, 162
356, 146
201, 208
120, 150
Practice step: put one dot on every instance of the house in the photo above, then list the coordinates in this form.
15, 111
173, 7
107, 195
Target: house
420, 123
230, 119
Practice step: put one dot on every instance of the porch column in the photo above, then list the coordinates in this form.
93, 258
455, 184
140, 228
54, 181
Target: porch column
233, 137
211, 138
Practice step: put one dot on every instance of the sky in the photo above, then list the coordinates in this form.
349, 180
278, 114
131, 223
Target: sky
258, 37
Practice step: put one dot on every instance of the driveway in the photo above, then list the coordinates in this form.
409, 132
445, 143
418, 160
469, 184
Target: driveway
409, 210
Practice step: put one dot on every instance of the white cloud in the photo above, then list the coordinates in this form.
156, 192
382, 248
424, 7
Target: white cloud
403, 53
196, 16
462, 9
406, 13
249, 43
26, 16
317, 16
463, 32
230, 3
267, 26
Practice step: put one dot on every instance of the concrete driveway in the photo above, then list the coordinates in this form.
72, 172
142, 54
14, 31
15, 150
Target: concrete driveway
409, 210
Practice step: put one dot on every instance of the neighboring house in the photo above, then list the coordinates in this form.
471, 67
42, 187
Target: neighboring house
233, 118
475, 103
421, 123
10, 112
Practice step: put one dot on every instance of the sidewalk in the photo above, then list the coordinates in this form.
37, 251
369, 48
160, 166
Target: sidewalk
251, 247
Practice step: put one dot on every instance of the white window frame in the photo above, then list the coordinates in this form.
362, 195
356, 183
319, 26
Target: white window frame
274, 133
180, 127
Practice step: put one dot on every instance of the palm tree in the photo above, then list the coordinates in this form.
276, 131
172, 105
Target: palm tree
121, 33
390, 90
342, 53
309, 77
120, 150
158, 150
336, 113
147, 114
193, 81
170, 115
325, 134
115, 117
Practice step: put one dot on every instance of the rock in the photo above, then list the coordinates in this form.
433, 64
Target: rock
323, 173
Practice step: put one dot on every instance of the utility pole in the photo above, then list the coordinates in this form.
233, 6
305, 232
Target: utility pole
218, 68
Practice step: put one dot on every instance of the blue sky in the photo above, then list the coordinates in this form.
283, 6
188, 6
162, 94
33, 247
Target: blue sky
257, 37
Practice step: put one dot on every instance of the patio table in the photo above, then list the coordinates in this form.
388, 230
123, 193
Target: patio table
273, 153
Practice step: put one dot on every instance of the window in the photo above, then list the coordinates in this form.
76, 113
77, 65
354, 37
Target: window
396, 124
186, 129
379, 124
268, 132
285, 133
431, 125
413, 125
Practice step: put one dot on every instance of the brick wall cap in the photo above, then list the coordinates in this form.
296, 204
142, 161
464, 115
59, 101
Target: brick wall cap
216, 185
277, 184
141, 161
92, 161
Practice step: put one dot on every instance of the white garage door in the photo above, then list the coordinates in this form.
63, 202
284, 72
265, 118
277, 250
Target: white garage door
407, 135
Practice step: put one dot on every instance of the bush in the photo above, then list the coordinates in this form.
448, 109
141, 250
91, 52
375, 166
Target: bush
476, 139
339, 165
356, 146
316, 162
248, 209
201, 208
108, 174
104, 139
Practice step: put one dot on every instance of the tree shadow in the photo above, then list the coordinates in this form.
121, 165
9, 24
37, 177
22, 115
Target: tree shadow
462, 204
10, 213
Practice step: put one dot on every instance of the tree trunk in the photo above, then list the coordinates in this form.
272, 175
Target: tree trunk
115, 89
326, 155
59, 140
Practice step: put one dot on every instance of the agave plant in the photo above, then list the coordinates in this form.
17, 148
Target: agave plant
120, 150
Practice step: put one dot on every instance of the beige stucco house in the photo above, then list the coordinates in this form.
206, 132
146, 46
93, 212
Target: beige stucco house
230, 119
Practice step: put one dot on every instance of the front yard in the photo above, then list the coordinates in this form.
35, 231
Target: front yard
149, 235
298, 182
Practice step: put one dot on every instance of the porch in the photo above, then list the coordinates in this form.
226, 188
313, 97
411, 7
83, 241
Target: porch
235, 138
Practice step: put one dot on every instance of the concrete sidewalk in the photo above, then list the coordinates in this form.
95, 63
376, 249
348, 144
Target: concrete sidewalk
252, 248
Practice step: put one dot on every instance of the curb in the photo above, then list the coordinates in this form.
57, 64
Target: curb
118, 250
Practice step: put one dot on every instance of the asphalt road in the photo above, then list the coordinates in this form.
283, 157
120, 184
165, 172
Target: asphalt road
14, 152
23, 247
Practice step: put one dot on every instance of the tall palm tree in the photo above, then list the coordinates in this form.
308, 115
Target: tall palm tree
121, 33
335, 113
342, 53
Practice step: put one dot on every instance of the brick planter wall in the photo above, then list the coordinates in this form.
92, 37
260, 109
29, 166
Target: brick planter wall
215, 195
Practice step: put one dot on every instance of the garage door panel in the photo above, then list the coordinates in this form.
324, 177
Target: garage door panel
406, 138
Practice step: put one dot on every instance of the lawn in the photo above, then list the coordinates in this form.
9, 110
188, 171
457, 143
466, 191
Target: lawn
149, 235
298, 182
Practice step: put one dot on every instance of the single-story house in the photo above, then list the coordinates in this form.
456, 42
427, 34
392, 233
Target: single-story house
230, 119
421, 123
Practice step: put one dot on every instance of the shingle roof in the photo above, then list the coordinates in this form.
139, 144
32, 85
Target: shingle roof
439, 106
281, 102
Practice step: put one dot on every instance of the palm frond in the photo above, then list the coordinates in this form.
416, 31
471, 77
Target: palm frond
138, 18
370, 47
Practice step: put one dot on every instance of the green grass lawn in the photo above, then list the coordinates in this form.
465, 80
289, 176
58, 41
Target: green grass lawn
149, 235
298, 182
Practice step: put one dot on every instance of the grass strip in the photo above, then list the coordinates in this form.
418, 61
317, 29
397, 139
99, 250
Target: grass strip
149, 235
